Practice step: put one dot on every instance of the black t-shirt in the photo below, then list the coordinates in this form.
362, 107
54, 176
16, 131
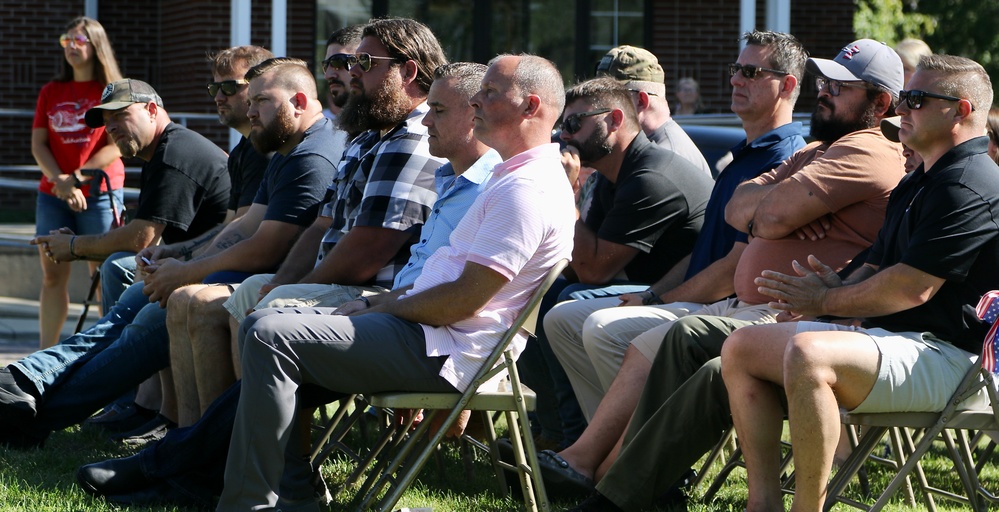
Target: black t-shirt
185, 185
246, 170
656, 206
945, 222
295, 184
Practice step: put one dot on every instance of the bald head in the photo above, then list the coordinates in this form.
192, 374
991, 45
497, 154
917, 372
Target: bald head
520, 99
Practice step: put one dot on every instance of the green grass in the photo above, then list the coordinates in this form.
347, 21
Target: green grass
43, 481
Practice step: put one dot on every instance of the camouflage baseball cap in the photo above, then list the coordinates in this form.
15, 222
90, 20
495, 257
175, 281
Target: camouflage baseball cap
636, 67
120, 94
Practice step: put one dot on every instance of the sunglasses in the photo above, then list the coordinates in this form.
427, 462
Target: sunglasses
337, 61
573, 123
366, 61
228, 87
750, 71
835, 86
78, 40
914, 98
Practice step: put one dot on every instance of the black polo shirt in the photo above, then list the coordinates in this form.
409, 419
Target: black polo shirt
945, 222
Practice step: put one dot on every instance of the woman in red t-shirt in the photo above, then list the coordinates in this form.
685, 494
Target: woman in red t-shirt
62, 145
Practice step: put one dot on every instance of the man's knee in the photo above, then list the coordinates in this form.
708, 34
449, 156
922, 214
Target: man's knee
177, 306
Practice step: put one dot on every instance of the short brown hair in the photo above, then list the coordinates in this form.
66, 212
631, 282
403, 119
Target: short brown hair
224, 62
605, 92
961, 77
292, 74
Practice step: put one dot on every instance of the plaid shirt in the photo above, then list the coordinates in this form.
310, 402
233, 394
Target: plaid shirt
383, 181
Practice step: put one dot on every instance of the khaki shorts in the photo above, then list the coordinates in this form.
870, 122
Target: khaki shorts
917, 372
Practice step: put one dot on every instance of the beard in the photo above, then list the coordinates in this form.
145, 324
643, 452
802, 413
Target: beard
831, 129
128, 147
594, 147
275, 134
339, 99
380, 109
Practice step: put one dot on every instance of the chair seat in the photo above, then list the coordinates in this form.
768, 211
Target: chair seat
973, 420
485, 401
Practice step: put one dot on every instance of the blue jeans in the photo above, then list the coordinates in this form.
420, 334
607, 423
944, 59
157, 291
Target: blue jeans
53, 213
90, 369
103, 375
117, 274
46, 368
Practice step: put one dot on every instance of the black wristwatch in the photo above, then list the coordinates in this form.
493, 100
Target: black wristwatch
649, 298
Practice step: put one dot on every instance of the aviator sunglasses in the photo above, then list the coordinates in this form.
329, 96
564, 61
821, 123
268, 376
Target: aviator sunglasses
573, 123
228, 87
366, 61
750, 70
78, 40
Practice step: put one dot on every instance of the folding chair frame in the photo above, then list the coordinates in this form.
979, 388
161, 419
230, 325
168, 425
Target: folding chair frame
909, 452
404, 441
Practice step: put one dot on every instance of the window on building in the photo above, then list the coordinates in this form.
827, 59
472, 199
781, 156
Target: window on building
477, 31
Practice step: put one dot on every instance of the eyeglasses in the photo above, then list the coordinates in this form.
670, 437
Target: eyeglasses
750, 71
572, 123
78, 40
337, 61
914, 98
365, 60
835, 86
228, 87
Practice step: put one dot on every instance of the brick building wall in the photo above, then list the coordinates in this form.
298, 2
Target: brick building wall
165, 43
161, 42
703, 38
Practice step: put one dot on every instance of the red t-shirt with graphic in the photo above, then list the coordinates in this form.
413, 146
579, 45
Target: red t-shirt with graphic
60, 110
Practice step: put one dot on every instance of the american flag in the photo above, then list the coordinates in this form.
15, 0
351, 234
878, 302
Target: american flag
988, 310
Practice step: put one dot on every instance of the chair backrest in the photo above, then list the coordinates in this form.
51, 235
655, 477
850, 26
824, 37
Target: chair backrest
527, 320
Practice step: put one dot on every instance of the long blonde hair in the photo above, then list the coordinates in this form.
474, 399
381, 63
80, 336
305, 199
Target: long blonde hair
106, 66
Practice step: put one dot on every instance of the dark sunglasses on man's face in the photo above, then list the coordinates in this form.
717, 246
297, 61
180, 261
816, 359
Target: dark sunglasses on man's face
573, 123
750, 71
914, 98
228, 87
337, 61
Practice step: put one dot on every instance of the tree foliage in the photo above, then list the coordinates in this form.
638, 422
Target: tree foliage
956, 27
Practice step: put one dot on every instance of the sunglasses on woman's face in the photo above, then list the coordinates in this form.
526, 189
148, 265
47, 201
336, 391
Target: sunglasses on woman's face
77, 40
228, 87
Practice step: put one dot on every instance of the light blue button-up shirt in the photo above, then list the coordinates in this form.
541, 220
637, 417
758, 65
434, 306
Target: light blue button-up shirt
455, 194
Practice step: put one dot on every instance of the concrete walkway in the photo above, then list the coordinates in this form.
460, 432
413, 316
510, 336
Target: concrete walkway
20, 280
19, 326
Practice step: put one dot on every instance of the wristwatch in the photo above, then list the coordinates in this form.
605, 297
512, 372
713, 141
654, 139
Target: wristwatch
649, 298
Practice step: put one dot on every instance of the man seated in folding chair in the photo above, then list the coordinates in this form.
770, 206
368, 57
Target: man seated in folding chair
935, 256
192, 459
434, 337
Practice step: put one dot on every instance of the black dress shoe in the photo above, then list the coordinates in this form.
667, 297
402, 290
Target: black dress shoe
113, 477
17, 406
